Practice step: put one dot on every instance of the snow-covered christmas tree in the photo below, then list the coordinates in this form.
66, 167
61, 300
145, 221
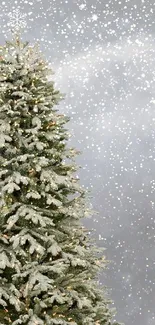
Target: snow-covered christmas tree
48, 264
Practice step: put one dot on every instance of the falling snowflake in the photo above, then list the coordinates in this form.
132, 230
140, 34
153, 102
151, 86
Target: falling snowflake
17, 19
82, 6
94, 17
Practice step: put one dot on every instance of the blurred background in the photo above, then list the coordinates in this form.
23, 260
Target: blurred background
103, 56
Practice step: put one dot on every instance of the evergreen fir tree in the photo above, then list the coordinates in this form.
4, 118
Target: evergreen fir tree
48, 263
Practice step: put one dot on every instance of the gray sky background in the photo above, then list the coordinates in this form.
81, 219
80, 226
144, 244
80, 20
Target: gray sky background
103, 55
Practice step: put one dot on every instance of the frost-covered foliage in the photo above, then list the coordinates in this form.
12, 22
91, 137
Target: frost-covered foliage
48, 264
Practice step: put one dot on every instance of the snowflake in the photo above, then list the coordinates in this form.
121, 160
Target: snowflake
94, 17
17, 19
82, 6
